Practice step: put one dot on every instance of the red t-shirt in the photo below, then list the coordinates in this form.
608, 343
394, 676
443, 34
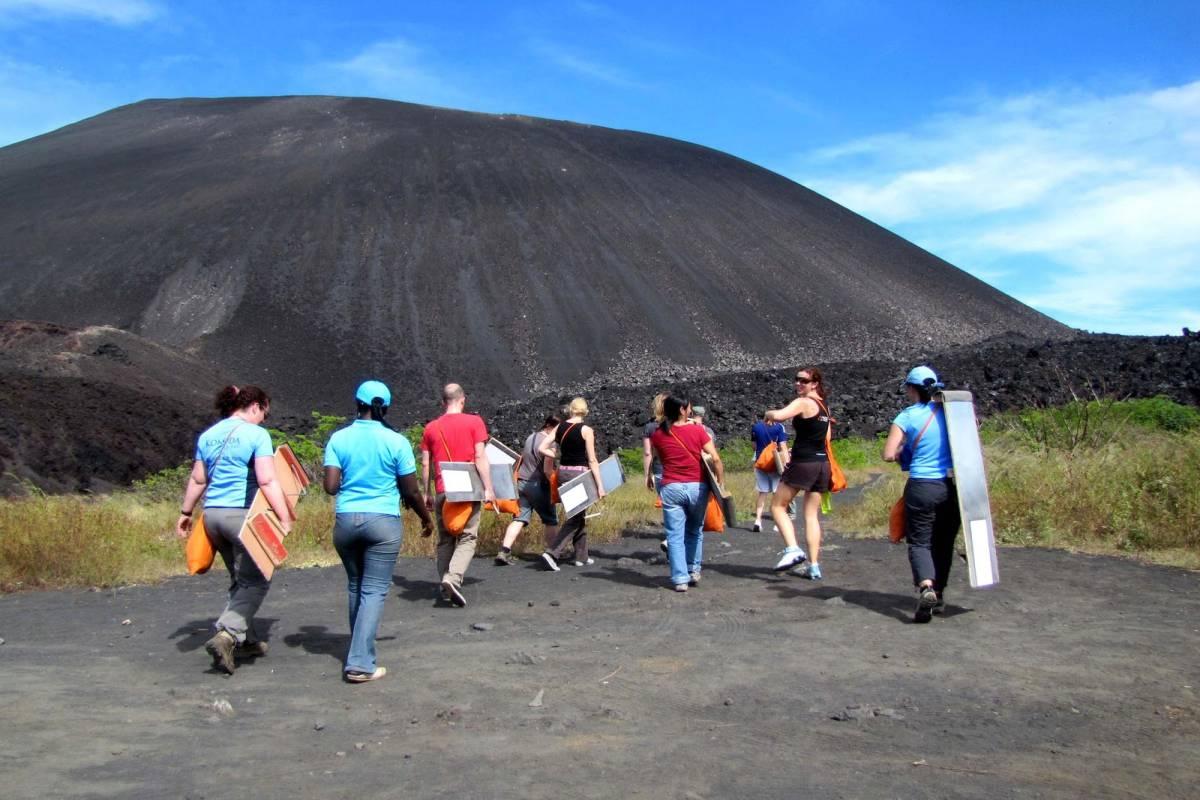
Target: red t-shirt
680, 465
461, 432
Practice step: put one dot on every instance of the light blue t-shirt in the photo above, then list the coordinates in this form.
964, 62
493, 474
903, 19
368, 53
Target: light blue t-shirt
932, 456
370, 457
231, 479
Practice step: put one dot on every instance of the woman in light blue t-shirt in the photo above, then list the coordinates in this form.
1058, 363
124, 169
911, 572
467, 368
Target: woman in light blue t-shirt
919, 441
369, 467
233, 461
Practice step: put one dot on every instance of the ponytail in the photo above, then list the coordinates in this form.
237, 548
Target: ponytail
226, 401
377, 411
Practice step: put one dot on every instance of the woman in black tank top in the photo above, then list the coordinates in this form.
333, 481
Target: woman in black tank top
807, 471
576, 455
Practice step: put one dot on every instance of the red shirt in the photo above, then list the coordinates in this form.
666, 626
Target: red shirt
680, 465
461, 432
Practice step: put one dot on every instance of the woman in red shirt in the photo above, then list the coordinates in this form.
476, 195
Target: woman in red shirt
683, 490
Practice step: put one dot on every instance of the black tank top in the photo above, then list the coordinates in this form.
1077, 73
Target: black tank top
810, 437
572, 451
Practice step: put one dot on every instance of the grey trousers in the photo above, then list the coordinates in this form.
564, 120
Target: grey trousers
247, 586
454, 553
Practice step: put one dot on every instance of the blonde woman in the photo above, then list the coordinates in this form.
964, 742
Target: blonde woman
576, 455
807, 471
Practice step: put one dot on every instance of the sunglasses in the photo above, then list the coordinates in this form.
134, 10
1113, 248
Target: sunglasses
800, 379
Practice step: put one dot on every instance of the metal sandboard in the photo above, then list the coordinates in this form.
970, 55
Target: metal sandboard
971, 483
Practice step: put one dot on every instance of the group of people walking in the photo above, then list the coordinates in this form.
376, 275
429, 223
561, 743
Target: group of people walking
371, 468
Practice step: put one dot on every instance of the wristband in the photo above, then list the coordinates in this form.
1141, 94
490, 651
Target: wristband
183, 513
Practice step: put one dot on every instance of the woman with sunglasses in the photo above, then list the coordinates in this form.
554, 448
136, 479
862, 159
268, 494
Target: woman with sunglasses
920, 442
234, 459
807, 471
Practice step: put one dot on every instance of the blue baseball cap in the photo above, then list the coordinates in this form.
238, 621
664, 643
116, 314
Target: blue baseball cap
923, 377
369, 390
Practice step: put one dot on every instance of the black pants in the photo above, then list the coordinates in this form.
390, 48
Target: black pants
931, 523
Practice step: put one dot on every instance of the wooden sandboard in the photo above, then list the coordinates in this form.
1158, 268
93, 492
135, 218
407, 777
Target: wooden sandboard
971, 482
463, 485
264, 540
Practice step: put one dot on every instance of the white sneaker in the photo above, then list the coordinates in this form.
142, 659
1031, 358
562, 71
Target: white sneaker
790, 557
549, 561
589, 562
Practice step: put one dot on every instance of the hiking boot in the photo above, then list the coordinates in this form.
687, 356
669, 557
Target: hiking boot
926, 600
252, 649
451, 593
503, 559
809, 570
939, 608
220, 647
789, 558
354, 676
549, 562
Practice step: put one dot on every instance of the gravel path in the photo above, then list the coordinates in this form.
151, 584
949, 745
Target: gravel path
1077, 677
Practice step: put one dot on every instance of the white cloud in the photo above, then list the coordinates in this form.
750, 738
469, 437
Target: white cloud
1101, 192
580, 64
117, 12
394, 69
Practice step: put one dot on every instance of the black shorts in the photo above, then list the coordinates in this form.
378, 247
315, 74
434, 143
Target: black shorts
808, 476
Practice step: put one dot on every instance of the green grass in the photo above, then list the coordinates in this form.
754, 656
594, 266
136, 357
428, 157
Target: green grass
1102, 477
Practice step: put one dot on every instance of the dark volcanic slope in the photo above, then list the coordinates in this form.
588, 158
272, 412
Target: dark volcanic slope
304, 243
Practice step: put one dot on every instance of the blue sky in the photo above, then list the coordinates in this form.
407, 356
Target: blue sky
1051, 148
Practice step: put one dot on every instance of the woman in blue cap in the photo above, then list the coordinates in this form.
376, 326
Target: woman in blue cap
369, 467
920, 442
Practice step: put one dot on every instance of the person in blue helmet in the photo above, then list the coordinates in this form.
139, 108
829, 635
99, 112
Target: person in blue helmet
920, 442
369, 467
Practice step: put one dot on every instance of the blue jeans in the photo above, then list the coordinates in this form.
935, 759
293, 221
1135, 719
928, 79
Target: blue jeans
368, 545
683, 517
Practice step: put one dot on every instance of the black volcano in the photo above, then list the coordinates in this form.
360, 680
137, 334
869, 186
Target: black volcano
307, 242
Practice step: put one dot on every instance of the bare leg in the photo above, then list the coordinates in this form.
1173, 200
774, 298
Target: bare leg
779, 504
511, 533
812, 525
763, 497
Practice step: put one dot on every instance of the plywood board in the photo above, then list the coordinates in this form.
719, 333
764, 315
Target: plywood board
971, 483
579, 493
462, 483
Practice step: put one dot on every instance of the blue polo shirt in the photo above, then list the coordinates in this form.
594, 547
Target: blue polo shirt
763, 434
228, 450
932, 456
370, 457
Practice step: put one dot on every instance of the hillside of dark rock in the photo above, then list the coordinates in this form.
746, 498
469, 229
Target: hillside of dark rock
304, 243
95, 409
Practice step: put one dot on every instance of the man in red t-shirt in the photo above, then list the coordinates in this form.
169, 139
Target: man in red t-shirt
454, 436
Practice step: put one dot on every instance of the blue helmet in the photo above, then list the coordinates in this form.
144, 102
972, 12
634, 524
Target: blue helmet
923, 377
369, 390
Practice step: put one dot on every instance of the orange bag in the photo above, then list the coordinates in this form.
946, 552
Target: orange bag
837, 478
507, 507
766, 459
455, 516
199, 549
896, 520
553, 488
657, 501
714, 517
